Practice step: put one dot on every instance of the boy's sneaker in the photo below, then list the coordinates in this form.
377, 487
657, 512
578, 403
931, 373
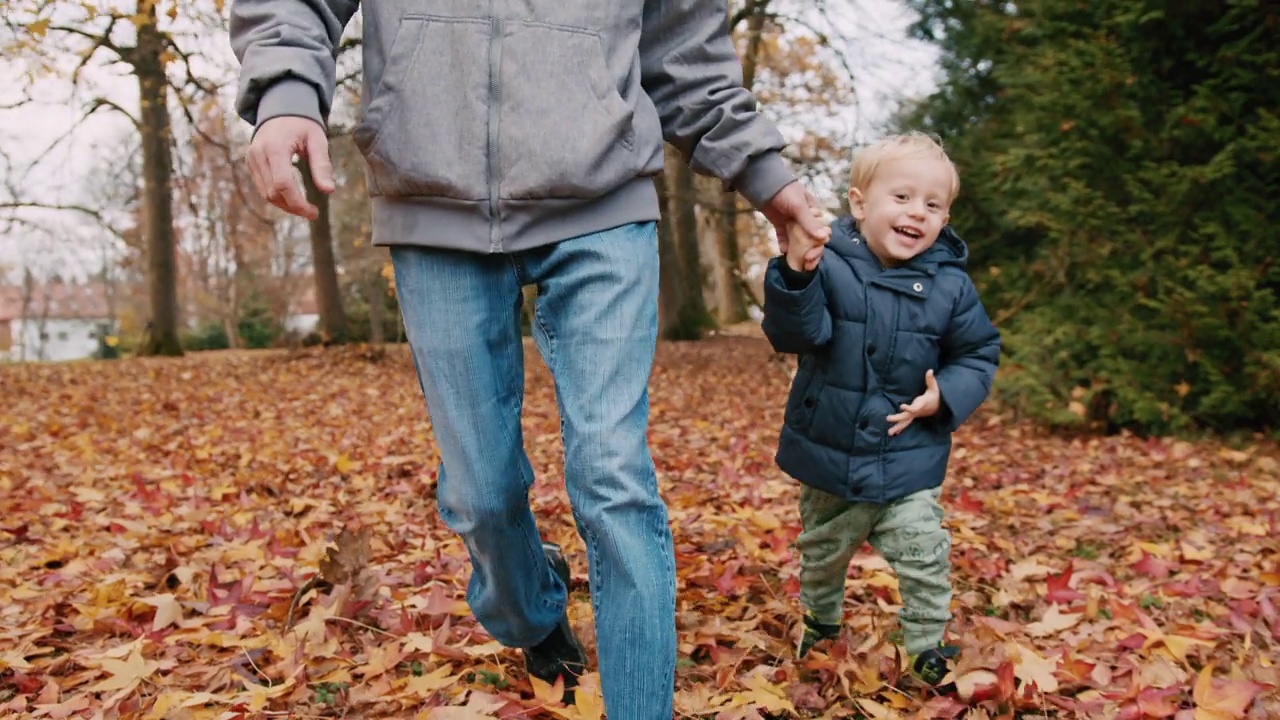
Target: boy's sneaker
559, 655
932, 665
814, 633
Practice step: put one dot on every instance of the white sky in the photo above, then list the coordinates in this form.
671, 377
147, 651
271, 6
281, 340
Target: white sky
887, 67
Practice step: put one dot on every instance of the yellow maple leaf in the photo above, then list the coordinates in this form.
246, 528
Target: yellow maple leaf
125, 674
1030, 667
168, 610
426, 684
343, 464
544, 691
1222, 699
381, 659
1053, 622
587, 699
1179, 645
259, 696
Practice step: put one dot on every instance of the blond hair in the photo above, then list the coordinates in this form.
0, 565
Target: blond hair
913, 144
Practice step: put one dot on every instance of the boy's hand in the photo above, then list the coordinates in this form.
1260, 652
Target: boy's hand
804, 250
926, 404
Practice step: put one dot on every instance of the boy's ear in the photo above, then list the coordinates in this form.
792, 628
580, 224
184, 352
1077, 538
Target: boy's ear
857, 205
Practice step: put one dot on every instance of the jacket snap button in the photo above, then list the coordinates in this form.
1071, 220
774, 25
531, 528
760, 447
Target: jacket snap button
917, 287
863, 425
871, 350
808, 402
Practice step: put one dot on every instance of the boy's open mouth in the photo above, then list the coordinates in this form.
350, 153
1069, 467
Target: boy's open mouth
909, 232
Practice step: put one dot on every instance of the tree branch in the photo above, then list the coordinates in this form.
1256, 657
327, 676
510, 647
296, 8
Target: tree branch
226, 150
192, 78
351, 43
96, 215
100, 103
100, 40
749, 8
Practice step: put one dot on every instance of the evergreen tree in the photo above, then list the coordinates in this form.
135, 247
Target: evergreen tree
1119, 171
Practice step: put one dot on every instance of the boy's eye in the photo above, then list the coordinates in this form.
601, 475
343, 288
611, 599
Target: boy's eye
934, 206
900, 196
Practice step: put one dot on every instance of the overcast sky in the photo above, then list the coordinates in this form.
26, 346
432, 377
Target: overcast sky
888, 68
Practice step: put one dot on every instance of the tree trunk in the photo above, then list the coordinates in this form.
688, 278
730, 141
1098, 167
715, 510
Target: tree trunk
670, 289
731, 305
377, 301
691, 315
157, 170
333, 321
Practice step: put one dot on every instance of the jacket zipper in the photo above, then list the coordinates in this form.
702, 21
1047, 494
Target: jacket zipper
495, 68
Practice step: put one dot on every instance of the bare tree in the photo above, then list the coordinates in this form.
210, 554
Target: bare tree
138, 36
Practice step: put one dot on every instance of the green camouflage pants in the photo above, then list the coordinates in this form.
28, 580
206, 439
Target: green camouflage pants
908, 533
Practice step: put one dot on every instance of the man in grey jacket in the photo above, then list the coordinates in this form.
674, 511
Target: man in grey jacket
511, 143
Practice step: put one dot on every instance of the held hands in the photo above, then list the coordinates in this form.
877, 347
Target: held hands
795, 205
925, 405
271, 163
804, 250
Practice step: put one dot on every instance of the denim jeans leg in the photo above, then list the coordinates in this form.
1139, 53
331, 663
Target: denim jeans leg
596, 326
461, 319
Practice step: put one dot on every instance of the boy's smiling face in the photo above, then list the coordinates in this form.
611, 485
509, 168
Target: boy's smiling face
904, 207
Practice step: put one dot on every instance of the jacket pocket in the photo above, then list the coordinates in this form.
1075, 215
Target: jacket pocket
424, 130
802, 404
565, 131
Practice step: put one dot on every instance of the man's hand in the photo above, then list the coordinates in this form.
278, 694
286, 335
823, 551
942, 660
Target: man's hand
794, 203
924, 405
803, 251
271, 163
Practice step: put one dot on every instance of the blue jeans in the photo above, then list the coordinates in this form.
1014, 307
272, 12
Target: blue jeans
595, 326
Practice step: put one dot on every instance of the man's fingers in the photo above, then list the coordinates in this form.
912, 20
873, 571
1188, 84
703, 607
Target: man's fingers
254, 161
318, 159
285, 191
814, 226
930, 381
812, 220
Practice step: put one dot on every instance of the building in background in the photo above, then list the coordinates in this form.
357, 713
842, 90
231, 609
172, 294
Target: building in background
53, 320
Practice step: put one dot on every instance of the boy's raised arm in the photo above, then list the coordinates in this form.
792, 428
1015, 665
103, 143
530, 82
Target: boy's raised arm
970, 356
796, 319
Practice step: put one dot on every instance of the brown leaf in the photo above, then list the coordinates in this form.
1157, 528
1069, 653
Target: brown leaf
185, 502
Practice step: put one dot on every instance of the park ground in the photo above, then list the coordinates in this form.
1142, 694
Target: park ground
255, 535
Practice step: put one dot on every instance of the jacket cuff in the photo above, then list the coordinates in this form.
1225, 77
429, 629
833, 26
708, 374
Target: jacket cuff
762, 178
795, 279
289, 96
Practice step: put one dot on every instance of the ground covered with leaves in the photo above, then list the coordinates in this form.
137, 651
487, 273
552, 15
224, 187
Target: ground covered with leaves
255, 535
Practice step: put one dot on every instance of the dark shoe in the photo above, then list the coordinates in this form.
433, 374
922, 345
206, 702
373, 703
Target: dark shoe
814, 633
559, 654
932, 666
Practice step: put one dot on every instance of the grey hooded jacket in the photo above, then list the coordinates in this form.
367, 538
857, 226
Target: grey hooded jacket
502, 125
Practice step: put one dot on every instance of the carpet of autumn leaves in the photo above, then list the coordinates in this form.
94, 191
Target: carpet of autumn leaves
255, 535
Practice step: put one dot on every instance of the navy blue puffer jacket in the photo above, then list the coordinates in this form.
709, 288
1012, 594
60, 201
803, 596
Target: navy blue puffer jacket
865, 336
